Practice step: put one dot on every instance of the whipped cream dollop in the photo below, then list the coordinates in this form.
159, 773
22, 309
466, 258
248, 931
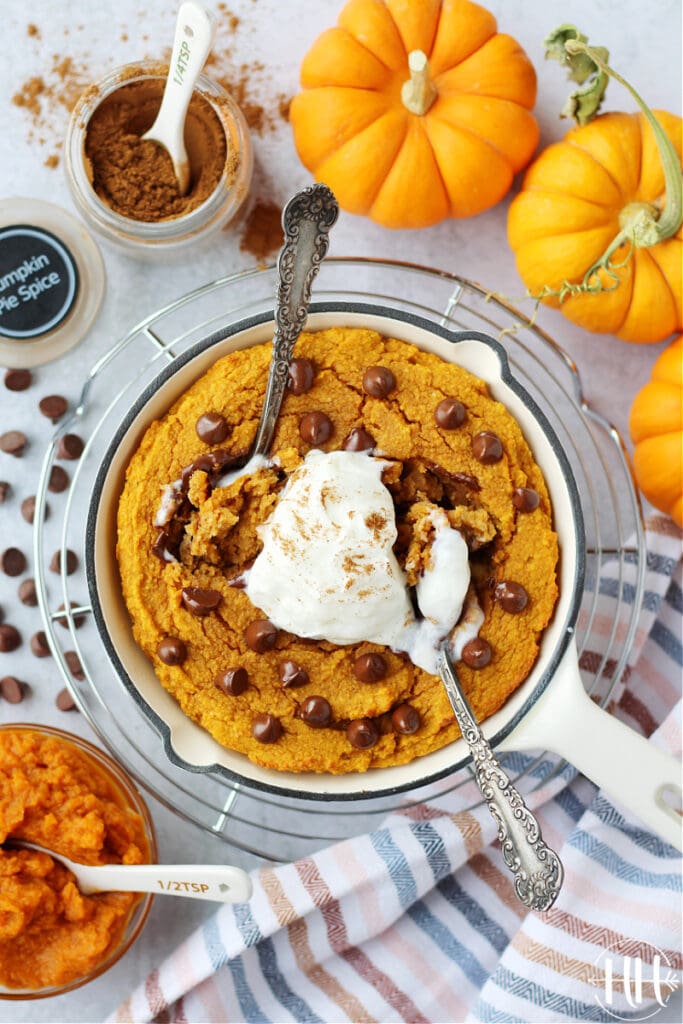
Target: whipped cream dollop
327, 570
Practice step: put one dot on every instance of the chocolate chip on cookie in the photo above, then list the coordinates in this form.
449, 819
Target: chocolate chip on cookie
266, 728
200, 600
172, 650
260, 635
370, 668
316, 427
233, 681
511, 596
378, 381
487, 447
316, 712
292, 674
212, 428
358, 440
300, 376
405, 719
525, 499
477, 652
449, 414
362, 733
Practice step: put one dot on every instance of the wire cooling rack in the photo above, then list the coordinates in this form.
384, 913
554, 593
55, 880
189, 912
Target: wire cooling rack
276, 828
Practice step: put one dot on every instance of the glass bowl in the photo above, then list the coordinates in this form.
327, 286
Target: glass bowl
139, 911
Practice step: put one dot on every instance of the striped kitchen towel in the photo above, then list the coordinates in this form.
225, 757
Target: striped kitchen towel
418, 921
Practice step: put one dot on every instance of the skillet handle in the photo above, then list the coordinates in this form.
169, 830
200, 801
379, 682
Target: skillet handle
631, 770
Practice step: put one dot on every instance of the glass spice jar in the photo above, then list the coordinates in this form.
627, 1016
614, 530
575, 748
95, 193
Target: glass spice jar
158, 238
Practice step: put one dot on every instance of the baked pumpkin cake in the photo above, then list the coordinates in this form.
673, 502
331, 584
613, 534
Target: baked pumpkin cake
295, 606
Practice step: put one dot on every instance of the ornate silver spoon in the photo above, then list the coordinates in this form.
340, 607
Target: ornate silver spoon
536, 869
306, 221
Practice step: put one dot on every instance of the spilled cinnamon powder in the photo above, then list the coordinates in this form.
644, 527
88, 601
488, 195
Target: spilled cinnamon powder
262, 234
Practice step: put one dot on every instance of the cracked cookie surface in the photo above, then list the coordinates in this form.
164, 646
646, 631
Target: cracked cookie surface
215, 538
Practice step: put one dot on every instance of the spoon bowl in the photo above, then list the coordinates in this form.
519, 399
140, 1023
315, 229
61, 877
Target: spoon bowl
221, 883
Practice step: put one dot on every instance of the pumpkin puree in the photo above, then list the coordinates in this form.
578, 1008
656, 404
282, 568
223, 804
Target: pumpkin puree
53, 794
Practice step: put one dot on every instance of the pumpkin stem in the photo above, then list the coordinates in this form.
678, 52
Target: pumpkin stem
419, 92
641, 224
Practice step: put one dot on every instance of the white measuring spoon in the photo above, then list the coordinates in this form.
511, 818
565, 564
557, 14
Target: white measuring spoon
222, 883
192, 42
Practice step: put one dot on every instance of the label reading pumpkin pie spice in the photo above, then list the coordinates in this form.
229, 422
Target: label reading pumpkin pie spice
38, 281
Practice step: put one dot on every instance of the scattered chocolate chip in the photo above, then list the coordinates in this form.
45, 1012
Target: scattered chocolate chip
10, 638
212, 428
201, 601
59, 480
53, 407
27, 593
39, 645
487, 447
260, 635
65, 701
28, 509
2, 614
71, 562
172, 650
316, 712
362, 733
358, 440
233, 681
477, 652
13, 562
12, 689
74, 663
405, 719
63, 621
300, 376
370, 668
525, 499
449, 414
266, 728
4, 490
378, 381
511, 596
316, 427
70, 447
13, 442
18, 380
292, 674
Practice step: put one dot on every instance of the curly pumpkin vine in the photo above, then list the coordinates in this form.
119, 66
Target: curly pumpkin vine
561, 203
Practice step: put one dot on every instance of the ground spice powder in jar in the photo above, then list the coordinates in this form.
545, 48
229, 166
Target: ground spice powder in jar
135, 177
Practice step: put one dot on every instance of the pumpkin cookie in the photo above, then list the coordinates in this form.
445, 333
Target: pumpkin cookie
190, 526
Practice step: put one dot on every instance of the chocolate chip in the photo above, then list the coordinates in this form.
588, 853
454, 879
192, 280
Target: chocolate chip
378, 381
525, 499
260, 635
405, 719
27, 593
53, 407
13, 443
233, 681
449, 414
28, 509
12, 689
370, 668
201, 601
74, 663
477, 652
316, 712
300, 376
39, 645
172, 650
362, 733
71, 562
203, 464
266, 728
18, 380
212, 428
511, 596
4, 490
487, 447
63, 621
165, 548
292, 674
13, 562
222, 459
10, 638
65, 701
316, 427
358, 440
59, 480
70, 447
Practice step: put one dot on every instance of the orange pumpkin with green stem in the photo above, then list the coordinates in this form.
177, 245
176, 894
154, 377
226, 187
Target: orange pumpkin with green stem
415, 110
596, 229
656, 426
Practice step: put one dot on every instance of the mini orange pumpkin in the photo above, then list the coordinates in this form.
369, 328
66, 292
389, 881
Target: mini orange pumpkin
656, 426
415, 110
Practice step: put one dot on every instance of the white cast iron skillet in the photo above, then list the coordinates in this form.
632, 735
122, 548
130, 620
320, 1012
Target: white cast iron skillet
549, 711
